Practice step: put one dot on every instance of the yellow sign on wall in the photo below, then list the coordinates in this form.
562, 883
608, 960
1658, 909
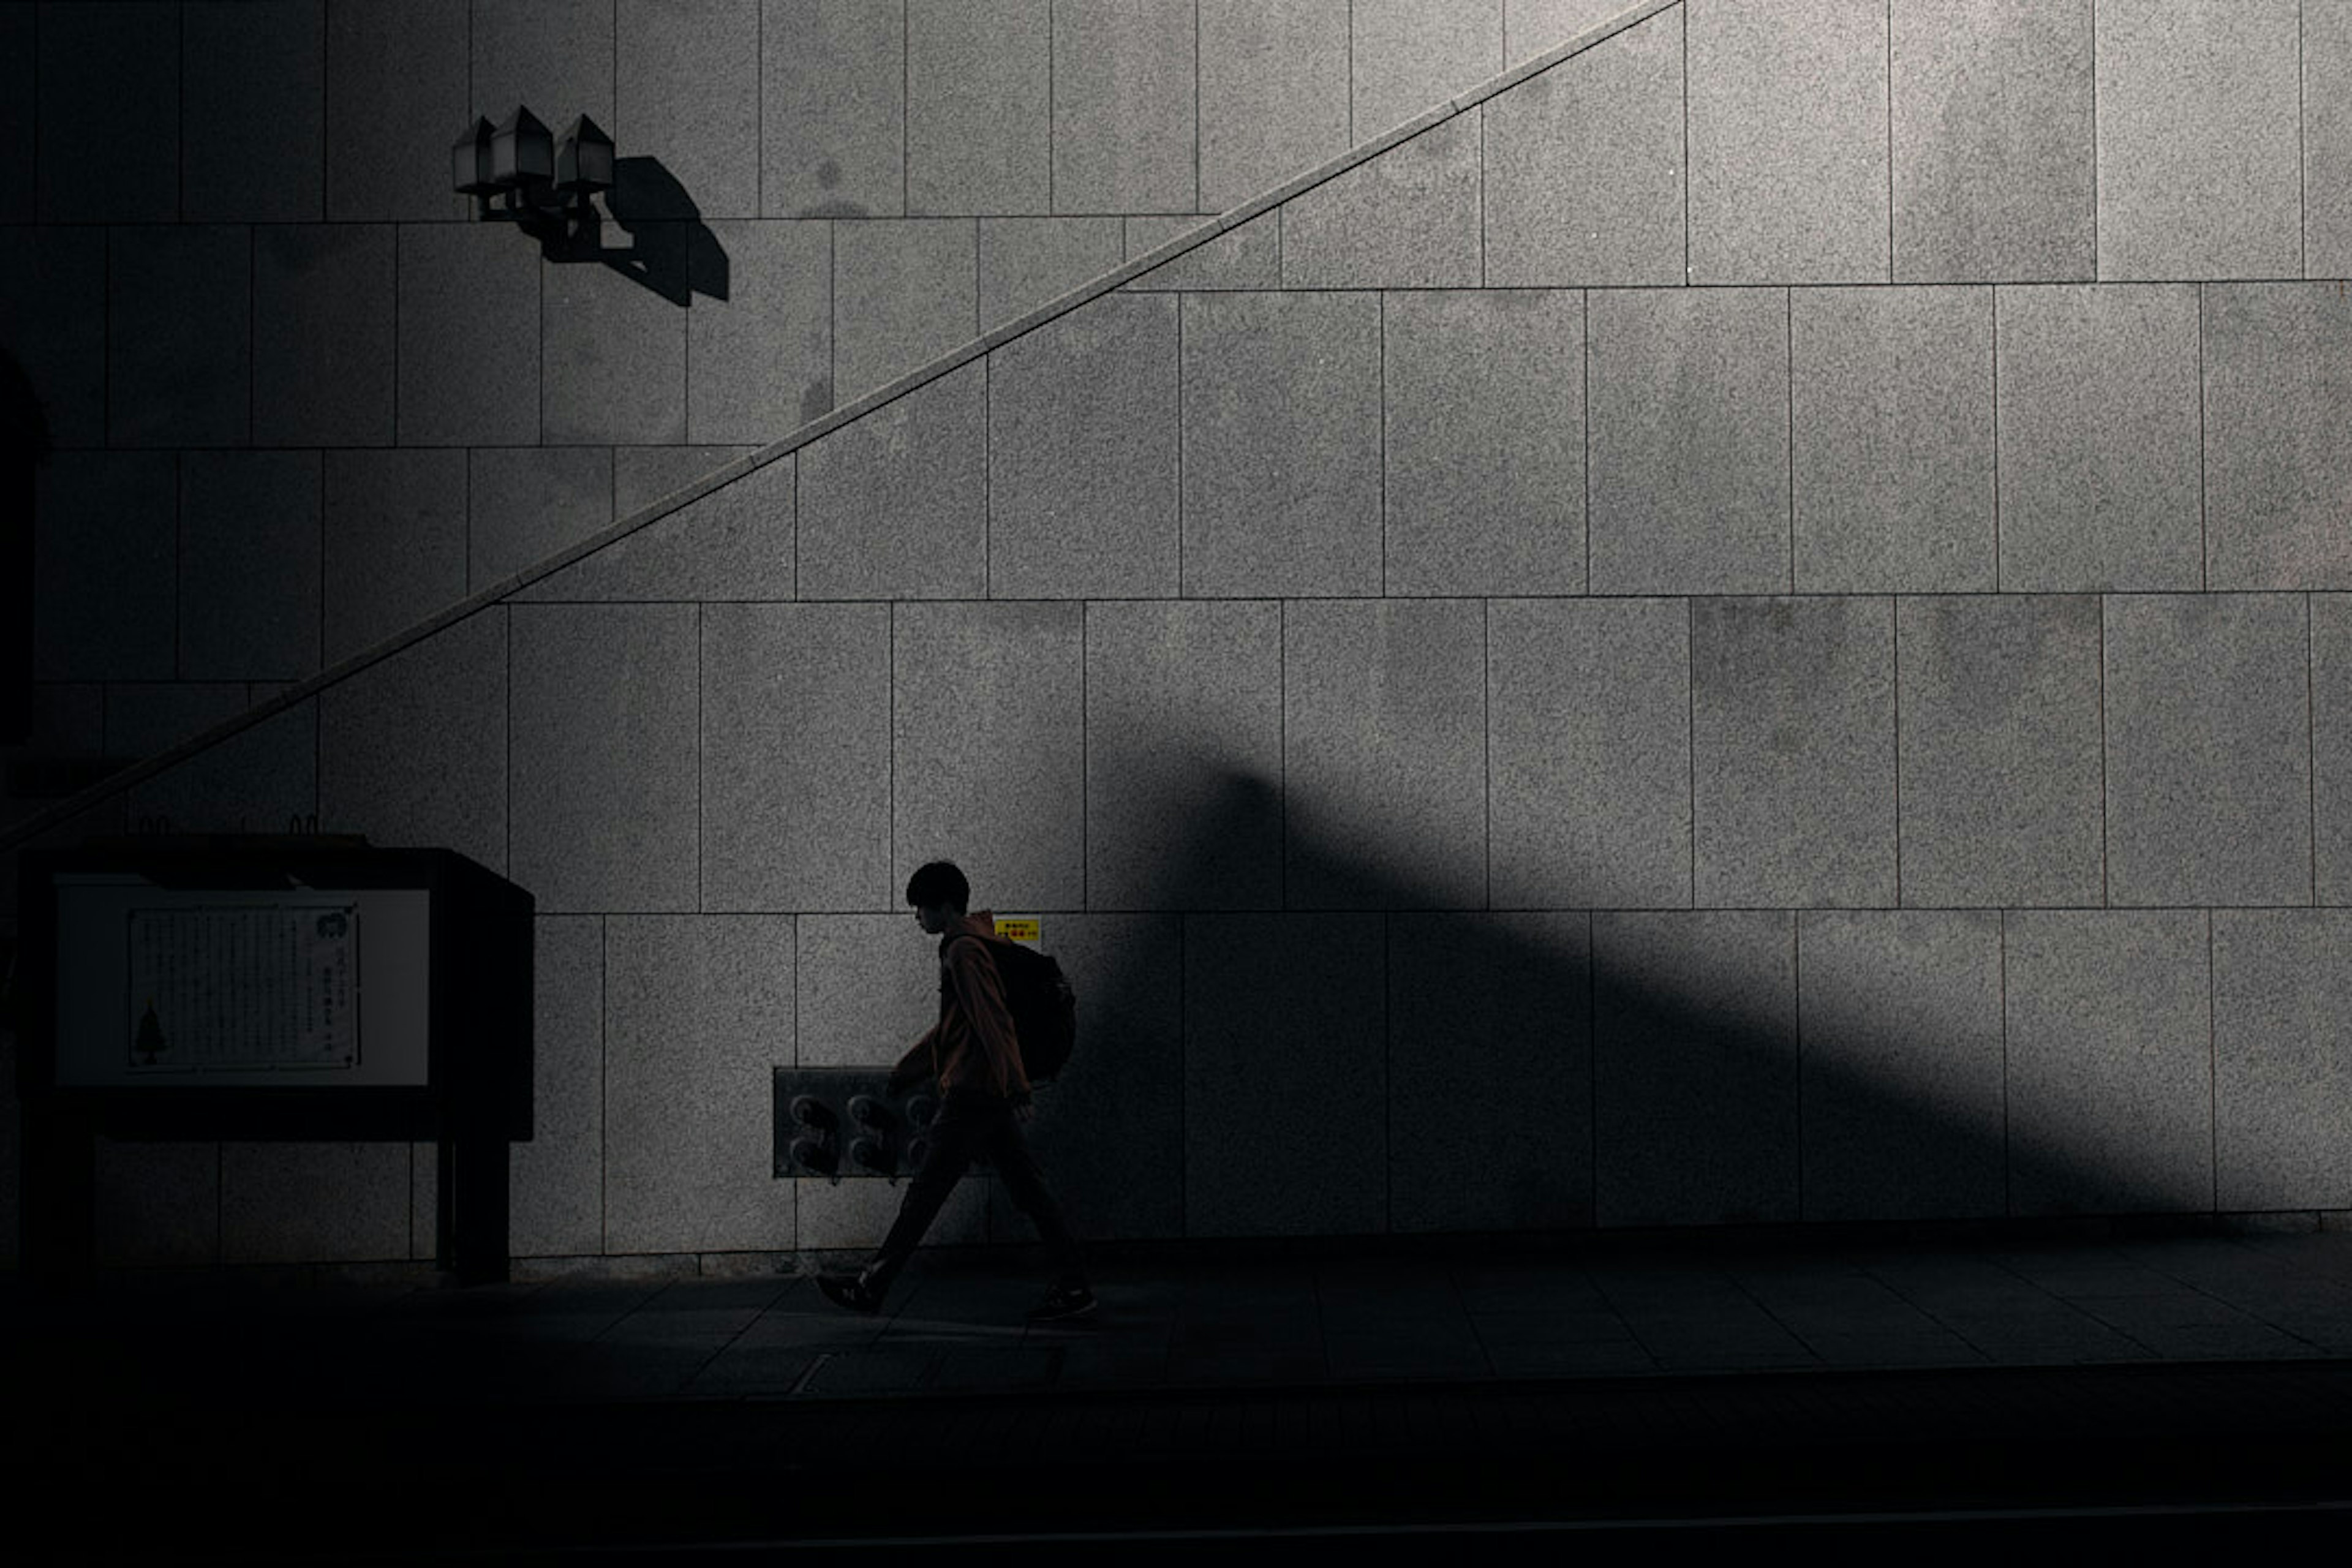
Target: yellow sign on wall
1013, 930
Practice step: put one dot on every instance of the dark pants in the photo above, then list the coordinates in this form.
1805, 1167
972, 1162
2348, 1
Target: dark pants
968, 1125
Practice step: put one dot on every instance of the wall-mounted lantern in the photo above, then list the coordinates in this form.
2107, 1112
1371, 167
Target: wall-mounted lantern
471, 164
544, 184
522, 153
584, 160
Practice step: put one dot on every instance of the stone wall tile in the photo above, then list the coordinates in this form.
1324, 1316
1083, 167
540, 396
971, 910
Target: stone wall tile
1994, 144
2199, 170
1283, 1013
1689, 455
179, 336
323, 348
903, 294
868, 985
2328, 138
894, 505
2209, 749
1589, 761
1406, 56
253, 78
2281, 1074
697, 1016
2278, 436
1530, 27
528, 503
555, 1205
105, 567
1081, 455
2099, 445
413, 749
2331, 718
1584, 165
1406, 219
2001, 750
796, 784
110, 133
156, 1204
1247, 256
760, 361
833, 101
1028, 262
1788, 141
1125, 130
1483, 441
1892, 424
256, 780
1901, 1050
1490, 1072
1694, 1067
20, 50
1792, 737
979, 115
144, 718
736, 542
687, 94
396, 544
556, 55
604, 692
1281, 471
1385, 753
314, 1202
988, 732
1127, 1070
612, 354
1273, 93
2110, 1061
644, 474
468, 348
249, 565
53, 322
396, 92
1184, 729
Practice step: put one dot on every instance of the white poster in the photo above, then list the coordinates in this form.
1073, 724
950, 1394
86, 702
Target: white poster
244, 988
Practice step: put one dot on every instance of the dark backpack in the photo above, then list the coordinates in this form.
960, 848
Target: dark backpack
1045, 1009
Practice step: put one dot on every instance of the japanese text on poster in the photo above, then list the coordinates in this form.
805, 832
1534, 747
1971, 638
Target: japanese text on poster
246, 988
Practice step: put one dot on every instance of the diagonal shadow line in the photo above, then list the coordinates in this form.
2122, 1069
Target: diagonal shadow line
1523, 1083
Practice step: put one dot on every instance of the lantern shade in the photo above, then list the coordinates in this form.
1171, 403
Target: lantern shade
522, 152
470, 161
583, 159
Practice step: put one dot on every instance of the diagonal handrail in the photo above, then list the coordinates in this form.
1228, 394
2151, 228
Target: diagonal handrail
717, 478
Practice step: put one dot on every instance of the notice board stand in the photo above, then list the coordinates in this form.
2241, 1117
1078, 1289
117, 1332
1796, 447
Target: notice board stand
271, 988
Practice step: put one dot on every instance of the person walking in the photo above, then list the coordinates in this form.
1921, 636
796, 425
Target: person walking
984, 1097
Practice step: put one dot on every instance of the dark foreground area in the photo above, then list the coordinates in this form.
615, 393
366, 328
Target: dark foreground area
2224, 1453
2085, 1395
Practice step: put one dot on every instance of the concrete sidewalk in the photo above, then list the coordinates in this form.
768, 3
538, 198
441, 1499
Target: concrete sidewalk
1580, 1382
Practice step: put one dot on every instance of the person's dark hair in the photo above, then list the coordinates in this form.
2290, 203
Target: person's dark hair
939, 883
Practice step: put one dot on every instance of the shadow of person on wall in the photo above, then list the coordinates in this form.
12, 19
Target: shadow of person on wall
24, 446
671, 250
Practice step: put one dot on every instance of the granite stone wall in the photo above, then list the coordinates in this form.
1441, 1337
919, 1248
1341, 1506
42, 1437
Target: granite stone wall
262, 325
1749, 627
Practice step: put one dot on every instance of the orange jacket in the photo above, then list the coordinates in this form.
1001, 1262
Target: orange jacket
972, 1044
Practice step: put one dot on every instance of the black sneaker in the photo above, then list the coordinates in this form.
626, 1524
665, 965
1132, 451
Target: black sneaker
1063, 1302
849, 1291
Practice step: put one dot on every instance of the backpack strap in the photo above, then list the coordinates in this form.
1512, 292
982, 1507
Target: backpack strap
955, 937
